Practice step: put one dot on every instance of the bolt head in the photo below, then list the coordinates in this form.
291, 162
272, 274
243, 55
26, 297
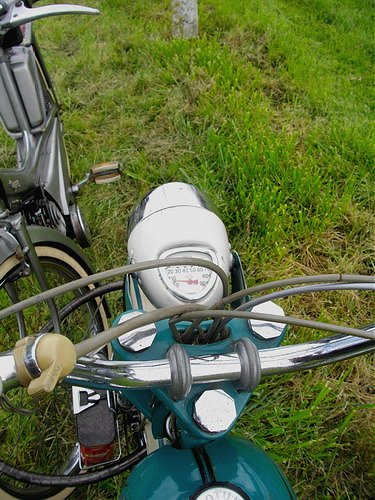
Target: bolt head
140, 338
214, 411
267, 329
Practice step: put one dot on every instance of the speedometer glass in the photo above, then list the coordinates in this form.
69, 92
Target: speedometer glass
186, 281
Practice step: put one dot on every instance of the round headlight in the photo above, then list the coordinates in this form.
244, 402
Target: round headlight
176, 220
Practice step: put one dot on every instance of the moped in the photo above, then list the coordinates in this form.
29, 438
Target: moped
183, 366
163, 388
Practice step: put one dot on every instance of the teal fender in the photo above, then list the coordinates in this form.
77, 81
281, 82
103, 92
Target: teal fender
231, 463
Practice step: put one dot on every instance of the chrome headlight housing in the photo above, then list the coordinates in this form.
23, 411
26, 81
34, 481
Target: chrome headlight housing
177, 220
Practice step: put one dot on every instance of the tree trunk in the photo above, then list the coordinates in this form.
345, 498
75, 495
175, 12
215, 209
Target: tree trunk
185, 18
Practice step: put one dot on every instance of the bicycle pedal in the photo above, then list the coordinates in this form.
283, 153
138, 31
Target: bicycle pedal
104, 173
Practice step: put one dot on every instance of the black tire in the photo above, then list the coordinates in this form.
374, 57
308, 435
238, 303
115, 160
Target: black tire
42, 442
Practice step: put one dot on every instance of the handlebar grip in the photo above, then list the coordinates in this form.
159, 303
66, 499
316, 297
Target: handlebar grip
181, 377
250, 365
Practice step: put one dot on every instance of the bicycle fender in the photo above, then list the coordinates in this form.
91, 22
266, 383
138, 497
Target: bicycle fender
51, 237
44, 235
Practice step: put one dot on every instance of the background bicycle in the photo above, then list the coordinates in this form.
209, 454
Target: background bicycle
39, 216
39, 213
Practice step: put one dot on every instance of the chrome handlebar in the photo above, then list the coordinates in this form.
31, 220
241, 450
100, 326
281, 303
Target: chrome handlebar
117, 375
224, 367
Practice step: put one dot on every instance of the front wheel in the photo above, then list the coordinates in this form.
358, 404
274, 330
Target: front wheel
42, 439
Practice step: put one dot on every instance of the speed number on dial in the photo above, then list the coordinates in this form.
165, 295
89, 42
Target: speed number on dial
187, 281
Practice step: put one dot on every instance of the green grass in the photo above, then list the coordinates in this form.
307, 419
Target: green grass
270, 112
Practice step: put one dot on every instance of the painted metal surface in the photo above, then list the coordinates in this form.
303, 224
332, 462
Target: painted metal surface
157, 403
238, 464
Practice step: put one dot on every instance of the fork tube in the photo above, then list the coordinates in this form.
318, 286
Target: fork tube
12, 92
28, 247
10, 87
12, 292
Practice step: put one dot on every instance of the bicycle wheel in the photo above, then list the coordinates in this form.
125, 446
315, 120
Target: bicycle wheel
45, 441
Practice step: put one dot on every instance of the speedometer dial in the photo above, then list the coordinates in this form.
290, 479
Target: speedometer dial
221, 492
186, 281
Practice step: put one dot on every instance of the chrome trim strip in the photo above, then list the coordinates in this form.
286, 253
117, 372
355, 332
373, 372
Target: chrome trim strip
29, 356
72, 462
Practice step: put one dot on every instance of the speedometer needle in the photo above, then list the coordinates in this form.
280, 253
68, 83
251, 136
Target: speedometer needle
189, 282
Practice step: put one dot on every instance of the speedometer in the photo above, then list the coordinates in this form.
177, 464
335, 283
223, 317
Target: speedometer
221, 492
186, 281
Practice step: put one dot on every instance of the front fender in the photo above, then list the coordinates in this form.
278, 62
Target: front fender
41, 235
243, 468
44, 235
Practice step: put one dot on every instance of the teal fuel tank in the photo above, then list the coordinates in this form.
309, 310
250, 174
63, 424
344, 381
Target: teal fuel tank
230, 468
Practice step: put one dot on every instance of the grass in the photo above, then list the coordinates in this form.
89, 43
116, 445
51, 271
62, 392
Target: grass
270, 112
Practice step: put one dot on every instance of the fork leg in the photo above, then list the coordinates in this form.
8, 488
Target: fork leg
28, 247
13, 294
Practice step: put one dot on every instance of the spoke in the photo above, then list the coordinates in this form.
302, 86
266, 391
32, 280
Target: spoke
21, 430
